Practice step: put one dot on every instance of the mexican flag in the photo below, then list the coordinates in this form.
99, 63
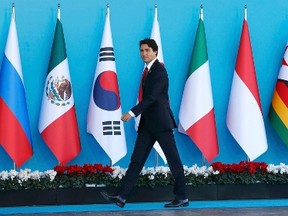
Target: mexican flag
57, 124
196, 116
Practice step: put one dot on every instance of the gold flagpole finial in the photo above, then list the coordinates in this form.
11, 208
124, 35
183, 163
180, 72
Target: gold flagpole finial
58, 14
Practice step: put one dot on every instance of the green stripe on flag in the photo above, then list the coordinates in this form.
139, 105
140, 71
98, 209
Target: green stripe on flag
199, 54
58, 53
278, 125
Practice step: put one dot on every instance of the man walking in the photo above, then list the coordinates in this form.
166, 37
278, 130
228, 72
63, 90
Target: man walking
156, 124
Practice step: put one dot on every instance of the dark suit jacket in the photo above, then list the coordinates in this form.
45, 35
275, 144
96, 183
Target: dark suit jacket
154, 108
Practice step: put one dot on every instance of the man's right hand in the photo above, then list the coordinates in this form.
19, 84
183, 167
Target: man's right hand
126, 117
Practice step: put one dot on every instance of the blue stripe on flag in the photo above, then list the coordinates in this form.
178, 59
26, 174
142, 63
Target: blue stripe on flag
13, 93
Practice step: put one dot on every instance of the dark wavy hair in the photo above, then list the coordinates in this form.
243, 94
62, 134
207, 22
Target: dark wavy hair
150, 42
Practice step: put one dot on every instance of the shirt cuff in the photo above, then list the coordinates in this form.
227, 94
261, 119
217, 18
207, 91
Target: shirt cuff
131, 113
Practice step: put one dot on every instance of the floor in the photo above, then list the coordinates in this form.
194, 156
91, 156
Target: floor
265, 207
277, 211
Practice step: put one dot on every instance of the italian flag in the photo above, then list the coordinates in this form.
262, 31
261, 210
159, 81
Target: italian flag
57, 124
278, 113
196, 116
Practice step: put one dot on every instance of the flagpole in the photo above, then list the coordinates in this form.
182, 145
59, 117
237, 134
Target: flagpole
203, 160
58, 12
156, 158
245, 17
156, 153
245, 12
108, 10
13, 11
108, 16
201, 16
58, 17
201, 12
156, 11
13, 17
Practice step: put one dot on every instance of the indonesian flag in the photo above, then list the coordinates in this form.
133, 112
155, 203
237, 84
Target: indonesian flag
278, 113
155, 34
196, 115
244, 117
58, 124
104, 113
15, 135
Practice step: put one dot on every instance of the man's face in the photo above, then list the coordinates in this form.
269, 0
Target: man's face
147, 53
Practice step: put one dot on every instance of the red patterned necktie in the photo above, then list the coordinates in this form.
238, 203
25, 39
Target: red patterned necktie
144, 75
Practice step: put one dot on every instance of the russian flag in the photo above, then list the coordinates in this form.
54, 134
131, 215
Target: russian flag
15, 135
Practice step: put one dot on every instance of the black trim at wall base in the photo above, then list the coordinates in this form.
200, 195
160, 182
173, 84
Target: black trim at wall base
91, 195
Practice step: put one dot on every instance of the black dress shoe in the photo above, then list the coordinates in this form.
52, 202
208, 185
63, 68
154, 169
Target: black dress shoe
116, 199
177, 203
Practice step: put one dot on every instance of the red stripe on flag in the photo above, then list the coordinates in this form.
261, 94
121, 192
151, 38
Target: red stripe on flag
282, 91
245, 64
13, 137
283, 60
62, 137
204, 135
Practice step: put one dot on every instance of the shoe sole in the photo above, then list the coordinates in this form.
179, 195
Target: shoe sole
184, 204
105, 196
177, 206
119, 204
